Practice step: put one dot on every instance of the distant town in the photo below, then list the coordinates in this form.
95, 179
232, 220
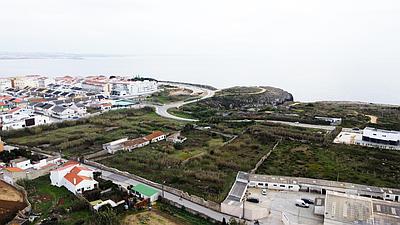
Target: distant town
73, 148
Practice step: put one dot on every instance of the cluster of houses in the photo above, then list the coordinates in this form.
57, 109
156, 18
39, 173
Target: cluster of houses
23, 168
126, 144
34, 100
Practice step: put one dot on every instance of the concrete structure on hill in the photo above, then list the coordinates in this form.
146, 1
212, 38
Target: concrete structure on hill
114, 146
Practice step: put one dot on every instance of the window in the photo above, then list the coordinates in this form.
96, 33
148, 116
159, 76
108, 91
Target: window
290, 186
260, 184
281, 185
275, 185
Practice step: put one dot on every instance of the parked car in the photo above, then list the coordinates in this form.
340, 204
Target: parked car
302, 204
264, 191
308, 201
253, 200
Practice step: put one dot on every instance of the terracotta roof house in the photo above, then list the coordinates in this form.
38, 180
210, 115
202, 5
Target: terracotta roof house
155, 136
135, 143
73, 176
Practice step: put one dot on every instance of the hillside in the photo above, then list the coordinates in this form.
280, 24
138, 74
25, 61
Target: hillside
248, 97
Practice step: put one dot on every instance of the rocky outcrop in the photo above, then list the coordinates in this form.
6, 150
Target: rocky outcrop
244, 100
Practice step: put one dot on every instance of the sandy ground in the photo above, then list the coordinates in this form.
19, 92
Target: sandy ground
149, 218
9, 193
373, 119
180, 91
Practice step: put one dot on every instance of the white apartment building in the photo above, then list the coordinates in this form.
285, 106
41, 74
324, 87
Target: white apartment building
5, 83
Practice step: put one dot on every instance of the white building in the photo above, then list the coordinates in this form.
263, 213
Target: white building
20, 118
156, 136
35, 81
133, 88
73, 176
114, 146
5, 83
379, 136
22, 163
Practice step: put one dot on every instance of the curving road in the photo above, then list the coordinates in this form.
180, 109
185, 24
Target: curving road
162, 110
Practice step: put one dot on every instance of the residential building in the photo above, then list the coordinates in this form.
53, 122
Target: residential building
114, 146
378, 136
22, 163
18, 118
5, 83
176, 138
333, 121
135, 143
155, 136
73, 176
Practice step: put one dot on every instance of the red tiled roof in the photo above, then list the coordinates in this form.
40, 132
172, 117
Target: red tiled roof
2, 104
153, 135
134, 142
14, 169
71, 177
67, 165
13, 110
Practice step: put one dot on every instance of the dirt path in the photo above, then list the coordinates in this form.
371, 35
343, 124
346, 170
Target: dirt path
373, 119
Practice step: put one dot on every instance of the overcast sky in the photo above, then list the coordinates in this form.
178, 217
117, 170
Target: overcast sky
348, 49
364, 28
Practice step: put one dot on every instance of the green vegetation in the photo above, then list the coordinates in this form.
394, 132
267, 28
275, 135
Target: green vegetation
51, 200
87, 135
346, 163
205, 167
183, 216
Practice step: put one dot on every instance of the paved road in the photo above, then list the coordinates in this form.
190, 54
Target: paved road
125, 181
162, 110
294, 124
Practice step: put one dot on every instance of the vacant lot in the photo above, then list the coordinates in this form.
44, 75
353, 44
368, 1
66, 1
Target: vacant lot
204, 167
52, 201
9, 193
87, 136
151, 217
335, 162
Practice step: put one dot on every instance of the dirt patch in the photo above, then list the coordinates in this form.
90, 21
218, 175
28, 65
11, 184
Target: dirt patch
180, 91
9, 193
42, 198
373, 119
303, 149
150, 218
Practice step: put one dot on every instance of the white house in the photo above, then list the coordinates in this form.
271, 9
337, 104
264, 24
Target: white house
114, 146
135, 143
18, 118
22, 163
176, 138
155, 136
73, 176
378, 136
5, 83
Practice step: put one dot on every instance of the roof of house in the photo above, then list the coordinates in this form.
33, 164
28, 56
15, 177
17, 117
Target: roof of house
133, 142
145, 190
153, 135
71, 177
59, 109
67, 165
14, 169
78, 169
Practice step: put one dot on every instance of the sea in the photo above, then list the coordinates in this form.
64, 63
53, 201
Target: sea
308, 81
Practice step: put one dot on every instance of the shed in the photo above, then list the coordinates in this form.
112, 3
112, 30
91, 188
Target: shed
145, 192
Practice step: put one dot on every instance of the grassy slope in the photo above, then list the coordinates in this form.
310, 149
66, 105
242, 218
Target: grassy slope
348, 163
92, 133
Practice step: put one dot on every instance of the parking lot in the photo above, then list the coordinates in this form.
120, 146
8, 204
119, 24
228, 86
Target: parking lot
276, 202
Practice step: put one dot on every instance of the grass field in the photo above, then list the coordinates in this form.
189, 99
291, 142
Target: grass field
204, 167
87, 136
346, 163
47, 200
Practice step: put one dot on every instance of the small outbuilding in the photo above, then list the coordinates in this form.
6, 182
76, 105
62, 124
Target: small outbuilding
146, 192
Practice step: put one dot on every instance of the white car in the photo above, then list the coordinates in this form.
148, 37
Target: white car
302, 204
264, 191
